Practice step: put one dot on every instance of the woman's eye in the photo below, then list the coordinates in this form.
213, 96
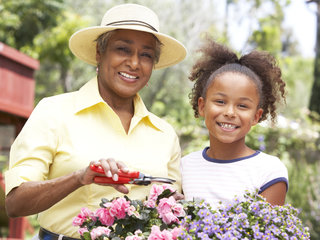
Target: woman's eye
147, 55
123, 49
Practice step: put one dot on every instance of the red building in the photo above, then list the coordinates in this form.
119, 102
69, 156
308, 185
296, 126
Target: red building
17, 89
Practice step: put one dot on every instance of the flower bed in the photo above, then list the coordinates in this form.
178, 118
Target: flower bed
162, 217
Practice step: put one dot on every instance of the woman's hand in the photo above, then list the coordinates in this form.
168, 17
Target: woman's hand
34, 197
111, 169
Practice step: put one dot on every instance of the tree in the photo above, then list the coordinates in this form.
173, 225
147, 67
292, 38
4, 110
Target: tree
21, 21
314, 103
51, 48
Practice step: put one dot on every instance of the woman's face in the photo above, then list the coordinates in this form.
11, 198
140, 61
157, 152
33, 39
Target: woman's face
126, 65
230, 107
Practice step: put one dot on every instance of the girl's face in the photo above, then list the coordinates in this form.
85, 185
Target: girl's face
127, 63
230, 107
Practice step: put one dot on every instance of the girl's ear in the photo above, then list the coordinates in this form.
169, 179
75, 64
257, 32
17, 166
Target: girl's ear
257, 116
201, 103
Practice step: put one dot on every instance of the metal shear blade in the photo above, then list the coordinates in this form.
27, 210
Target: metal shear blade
146, 180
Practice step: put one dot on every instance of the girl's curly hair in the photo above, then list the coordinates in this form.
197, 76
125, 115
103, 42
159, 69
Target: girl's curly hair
259, 66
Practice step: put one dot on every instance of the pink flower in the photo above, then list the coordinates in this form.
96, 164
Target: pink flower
81, 231
178, 210
169, 210
169, 218
156, 234
133, 237
132, 211
156, 190
105, 216
78, 221
119, 207
176, 232
136, 236
84, 214
137, 232
150, 203
98, 231
165, 205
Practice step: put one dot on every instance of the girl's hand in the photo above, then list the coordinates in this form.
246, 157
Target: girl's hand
178, 196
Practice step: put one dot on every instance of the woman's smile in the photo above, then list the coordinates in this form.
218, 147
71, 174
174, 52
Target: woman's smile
128, 77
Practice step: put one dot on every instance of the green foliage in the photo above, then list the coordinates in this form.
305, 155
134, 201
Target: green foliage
58, 72
297, 73
297, 144
267, 37
21, 21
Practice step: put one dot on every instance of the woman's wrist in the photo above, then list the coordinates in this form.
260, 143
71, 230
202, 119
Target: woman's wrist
79, 176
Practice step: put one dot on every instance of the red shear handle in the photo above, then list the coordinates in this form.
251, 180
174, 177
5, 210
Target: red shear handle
121, 180
129, 175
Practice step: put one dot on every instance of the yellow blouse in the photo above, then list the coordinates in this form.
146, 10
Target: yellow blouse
65, 132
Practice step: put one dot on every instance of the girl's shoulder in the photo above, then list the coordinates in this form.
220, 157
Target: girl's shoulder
266, 157
192, 156
269, 161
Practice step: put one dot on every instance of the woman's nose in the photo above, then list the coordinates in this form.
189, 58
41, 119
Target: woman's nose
133, 61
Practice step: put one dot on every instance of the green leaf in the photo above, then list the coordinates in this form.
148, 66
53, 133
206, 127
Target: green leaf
86, 236
165, 194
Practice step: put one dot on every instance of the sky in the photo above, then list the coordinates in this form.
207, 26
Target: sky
299, 16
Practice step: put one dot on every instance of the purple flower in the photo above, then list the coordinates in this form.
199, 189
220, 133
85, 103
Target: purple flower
247, 217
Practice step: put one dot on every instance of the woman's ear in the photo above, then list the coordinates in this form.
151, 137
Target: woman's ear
257, 116
201, 103
98, 56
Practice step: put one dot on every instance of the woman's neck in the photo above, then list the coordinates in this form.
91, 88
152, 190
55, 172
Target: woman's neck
123, 107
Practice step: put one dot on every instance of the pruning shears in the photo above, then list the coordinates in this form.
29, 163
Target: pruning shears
137, 178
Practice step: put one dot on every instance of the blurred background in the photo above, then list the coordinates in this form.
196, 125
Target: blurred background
41, 29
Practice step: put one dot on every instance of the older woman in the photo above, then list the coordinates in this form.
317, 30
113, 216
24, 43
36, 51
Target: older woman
105, 123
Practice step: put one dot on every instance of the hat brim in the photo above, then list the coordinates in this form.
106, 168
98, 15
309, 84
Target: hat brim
83, 45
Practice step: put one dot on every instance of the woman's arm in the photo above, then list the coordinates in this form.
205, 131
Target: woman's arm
276, 193
36, 196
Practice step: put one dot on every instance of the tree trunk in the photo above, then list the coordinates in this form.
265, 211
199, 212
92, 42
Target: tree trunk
63, 79
314, 104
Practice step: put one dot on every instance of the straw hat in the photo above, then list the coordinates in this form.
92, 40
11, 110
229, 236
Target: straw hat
127, 16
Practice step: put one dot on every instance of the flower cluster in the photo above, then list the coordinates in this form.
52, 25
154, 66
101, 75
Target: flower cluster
122, 218
161, 217
250, 217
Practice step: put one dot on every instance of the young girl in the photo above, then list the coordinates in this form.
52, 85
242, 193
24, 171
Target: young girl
233, 94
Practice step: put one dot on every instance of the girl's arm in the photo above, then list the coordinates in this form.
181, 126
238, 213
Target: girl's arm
276, 194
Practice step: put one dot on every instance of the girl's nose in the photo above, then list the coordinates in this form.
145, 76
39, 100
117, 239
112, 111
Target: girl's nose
229, 111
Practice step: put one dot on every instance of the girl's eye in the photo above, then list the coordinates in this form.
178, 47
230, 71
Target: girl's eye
243, 106
219, 101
